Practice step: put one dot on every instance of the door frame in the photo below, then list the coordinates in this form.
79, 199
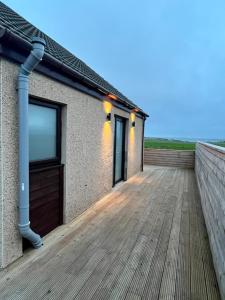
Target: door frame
55, 162
124, 152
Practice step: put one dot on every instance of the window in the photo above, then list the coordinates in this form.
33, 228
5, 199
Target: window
43, 131
119, 150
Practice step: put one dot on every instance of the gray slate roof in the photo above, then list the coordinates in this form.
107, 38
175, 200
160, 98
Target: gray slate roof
21, 27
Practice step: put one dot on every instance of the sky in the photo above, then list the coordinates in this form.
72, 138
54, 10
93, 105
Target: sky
166, 56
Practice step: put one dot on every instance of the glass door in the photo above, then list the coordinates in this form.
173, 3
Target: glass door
119, 149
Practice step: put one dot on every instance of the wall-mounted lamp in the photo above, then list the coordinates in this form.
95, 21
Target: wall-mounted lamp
108, 117
111, 96
133, 124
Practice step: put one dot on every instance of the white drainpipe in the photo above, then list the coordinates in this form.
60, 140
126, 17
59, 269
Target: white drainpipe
23, 83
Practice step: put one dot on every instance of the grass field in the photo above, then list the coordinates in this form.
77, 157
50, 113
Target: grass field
172, 144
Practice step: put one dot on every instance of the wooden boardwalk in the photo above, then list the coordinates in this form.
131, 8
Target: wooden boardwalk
146, 240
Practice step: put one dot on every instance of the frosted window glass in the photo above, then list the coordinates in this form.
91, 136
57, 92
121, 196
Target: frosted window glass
42, 132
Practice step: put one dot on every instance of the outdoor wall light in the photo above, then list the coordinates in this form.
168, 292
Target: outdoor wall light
111, 96
108, 117
133, 124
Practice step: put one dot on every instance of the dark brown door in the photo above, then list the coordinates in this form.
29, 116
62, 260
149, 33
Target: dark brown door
46, 170
46, 198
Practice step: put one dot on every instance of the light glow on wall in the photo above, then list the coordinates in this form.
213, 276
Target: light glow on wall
107, 149
132, 141
107, 107
132, 136
107, 133
132, 117
107, 139
131, 150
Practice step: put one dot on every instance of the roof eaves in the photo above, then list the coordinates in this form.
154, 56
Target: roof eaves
6, 32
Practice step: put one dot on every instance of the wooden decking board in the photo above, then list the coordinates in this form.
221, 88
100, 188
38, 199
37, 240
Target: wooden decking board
168, 284
153, 230
117, 229
198, 284
105, 237
112, 244
97, 276
89, 231
123, 282
116, 268
84, 225
153, 282
59, 260
104, 290
125, 233
81, 261
183, 285
142, 271
147, 240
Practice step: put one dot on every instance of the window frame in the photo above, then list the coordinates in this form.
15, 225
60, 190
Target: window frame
55, 160
123, 120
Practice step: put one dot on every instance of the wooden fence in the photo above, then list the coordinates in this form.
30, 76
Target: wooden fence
210, 173
171, 158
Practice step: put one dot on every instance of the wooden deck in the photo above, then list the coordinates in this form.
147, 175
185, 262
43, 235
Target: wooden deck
146, 240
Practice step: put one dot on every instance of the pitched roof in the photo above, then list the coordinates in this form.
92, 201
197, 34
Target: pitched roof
22, 28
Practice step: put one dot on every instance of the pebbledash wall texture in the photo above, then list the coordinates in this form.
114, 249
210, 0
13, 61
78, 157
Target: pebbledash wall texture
87, 150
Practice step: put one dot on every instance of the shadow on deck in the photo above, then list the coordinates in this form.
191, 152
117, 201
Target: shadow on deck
146, 240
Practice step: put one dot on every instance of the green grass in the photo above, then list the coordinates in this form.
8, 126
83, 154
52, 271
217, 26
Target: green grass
173, 144
221, 144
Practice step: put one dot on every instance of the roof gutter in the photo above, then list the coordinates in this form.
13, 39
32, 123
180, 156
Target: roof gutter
88, 81
9, 35
26, 68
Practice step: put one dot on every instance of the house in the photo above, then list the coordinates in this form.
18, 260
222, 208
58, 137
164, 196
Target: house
66, 138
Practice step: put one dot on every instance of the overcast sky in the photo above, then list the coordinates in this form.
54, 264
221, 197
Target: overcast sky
166, 56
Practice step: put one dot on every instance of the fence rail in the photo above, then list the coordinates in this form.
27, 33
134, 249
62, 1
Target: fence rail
210, 173
171, 158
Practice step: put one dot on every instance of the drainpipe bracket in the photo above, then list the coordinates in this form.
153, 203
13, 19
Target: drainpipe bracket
36, 56
24, 72
24, 226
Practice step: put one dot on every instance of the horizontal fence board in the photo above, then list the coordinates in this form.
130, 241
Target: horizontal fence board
210, 173
171, 158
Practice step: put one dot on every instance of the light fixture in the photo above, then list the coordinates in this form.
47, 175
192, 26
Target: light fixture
133, 124
112, 96
108, 117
